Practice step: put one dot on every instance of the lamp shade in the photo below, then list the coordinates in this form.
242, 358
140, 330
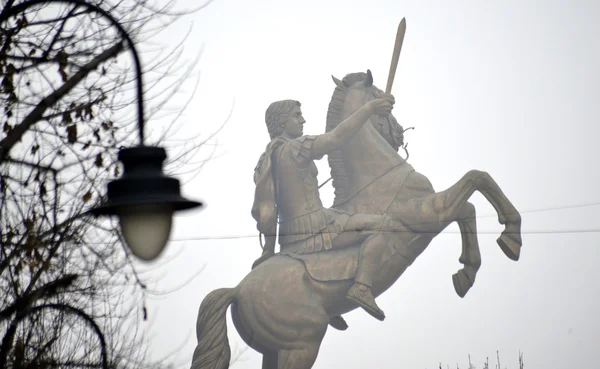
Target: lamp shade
144, 199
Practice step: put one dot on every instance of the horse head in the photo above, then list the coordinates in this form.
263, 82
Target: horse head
356, 89
373, 151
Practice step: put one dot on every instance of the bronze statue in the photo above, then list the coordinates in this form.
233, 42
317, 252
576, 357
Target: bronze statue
332, 261
287, 189
283, 307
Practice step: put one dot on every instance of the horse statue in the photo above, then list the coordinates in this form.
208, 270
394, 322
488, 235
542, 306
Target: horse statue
283, 307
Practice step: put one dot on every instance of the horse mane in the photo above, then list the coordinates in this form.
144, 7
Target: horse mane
334, 117
335, 158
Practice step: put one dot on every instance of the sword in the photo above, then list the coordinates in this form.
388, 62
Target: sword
396, 54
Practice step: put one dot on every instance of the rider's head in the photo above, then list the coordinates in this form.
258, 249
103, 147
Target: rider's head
284, 116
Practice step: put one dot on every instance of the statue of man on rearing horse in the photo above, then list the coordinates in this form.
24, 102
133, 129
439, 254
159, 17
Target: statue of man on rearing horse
332, 261
287, 190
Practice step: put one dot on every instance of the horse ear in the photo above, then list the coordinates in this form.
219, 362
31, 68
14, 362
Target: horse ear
338, 83
369, 81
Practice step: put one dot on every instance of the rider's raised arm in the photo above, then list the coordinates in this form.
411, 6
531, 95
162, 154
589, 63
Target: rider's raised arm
327, 142
331, 140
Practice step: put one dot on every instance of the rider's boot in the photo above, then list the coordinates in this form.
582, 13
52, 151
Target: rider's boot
338, 323
362, 295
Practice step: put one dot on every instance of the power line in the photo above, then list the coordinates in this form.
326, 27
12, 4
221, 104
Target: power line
564, 207
540, 232
564, 231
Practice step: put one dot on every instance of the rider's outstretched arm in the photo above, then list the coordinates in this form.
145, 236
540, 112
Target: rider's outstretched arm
341, 134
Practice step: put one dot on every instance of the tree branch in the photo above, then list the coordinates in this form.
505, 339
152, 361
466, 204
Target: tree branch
23, 302
37, 113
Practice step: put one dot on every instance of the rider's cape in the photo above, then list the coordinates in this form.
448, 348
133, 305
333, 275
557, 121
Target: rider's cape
264, 209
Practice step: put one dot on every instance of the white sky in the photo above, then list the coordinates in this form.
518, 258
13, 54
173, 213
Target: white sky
508, 87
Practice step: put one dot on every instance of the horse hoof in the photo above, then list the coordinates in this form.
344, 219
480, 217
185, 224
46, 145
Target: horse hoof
462, 283
510, 246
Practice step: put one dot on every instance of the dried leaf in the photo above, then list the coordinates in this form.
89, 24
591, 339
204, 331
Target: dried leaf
62, 59
72, 133
38, 257
19, 353
30, 245
87, 197
99, 161
7, 83
63, 74
67, 118
89, 112
79, 112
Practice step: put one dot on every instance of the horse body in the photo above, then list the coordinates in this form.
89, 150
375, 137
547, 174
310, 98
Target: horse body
282, 308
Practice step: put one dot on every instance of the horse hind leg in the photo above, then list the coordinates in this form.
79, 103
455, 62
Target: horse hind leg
270, 360
299, 358
464, 279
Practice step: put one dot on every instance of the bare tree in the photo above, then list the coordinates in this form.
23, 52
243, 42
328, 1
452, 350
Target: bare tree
70, 294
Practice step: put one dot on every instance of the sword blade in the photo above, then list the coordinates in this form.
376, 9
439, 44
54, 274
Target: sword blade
396, 54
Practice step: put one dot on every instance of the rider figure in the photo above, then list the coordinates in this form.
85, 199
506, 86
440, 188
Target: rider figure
287, 189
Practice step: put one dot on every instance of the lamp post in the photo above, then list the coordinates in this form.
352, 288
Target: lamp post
144, 198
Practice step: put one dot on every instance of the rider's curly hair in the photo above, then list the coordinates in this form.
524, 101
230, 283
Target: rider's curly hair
276, 113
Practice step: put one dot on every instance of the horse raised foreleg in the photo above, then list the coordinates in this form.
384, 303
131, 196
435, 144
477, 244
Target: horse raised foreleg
471, 257
432, 213
510, 240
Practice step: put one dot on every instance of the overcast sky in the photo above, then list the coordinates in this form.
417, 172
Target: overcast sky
510, 87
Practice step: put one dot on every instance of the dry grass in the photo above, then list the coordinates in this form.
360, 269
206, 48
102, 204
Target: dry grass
486, 365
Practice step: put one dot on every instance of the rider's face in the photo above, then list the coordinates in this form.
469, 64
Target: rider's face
292, 127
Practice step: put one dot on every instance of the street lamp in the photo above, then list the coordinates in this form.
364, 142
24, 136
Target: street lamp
144, 198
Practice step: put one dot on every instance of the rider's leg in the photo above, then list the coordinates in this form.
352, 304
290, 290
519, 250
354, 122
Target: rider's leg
369, 263
360, 226
370, 231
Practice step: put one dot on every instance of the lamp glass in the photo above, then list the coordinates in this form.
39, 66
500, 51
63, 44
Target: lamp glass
146, 228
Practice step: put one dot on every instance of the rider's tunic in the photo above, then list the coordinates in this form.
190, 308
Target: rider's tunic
304, 223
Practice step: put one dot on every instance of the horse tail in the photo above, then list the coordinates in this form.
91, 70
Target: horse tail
212, 351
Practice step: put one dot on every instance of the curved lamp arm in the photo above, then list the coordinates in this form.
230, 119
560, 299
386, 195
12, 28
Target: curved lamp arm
16, 9
66, 308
